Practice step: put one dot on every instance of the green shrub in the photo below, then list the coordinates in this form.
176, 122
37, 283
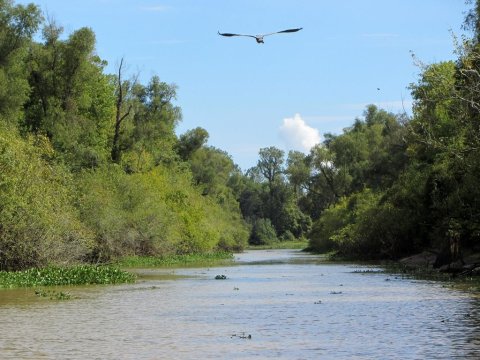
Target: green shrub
332, 220
263, 233
287, 236
38, 222
155, 213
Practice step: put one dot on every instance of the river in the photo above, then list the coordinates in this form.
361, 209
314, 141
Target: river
277, 304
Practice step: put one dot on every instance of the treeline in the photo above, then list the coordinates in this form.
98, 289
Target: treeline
90, 166
389, 185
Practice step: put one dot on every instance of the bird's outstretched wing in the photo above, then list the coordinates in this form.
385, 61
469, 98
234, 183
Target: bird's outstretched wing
284, 31
230, 34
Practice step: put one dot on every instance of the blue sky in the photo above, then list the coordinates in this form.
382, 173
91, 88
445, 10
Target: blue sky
287, 92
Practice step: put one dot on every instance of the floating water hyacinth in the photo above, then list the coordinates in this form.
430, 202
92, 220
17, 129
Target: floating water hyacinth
75, 275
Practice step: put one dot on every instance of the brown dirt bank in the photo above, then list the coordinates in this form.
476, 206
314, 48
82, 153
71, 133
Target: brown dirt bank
468, 264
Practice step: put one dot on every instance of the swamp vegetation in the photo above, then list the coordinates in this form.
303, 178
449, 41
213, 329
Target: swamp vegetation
93, 172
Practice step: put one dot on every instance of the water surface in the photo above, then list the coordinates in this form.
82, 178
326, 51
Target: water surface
293, 305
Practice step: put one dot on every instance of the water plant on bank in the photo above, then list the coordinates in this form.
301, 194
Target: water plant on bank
207, 259
75, 275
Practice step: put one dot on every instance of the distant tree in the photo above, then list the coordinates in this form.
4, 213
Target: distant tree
211, 169
267, 195
328, 181
251, 201
270, 164
298, 171
191, 141
263, 233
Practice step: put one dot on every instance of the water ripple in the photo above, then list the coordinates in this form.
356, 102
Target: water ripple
286, 306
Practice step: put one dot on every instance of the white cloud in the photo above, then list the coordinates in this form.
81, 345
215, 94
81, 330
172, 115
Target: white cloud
298, 135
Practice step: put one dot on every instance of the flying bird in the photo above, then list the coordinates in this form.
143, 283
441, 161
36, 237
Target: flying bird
259, 38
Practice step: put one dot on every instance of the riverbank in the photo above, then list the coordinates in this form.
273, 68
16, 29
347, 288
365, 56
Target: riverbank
279, 245
187, 260
114, 273
464, 275
427, 261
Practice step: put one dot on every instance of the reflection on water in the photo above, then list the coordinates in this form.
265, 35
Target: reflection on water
293, 306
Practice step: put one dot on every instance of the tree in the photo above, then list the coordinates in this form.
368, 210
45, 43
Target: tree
71, 100
263, 233
191, 141
153, 125
90, 166
270, 164
267, 195
211, 169
297, 171
351, 173
17, 25
327, 182
123, 109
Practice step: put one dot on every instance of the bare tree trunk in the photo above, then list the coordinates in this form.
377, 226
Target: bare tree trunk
116, 151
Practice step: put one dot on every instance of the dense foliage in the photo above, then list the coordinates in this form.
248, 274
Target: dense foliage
396, 185
390, 185
90, 166
91, 169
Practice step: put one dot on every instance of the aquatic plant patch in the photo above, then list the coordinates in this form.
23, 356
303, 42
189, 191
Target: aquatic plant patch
53, 294
75, 275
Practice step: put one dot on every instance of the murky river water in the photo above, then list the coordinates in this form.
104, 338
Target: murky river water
292, 306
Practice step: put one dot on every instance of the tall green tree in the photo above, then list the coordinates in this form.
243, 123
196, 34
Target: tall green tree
269, 200
17, 25
270, 164
211, 169
71, 100
190, 142
151, 138
298, 171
